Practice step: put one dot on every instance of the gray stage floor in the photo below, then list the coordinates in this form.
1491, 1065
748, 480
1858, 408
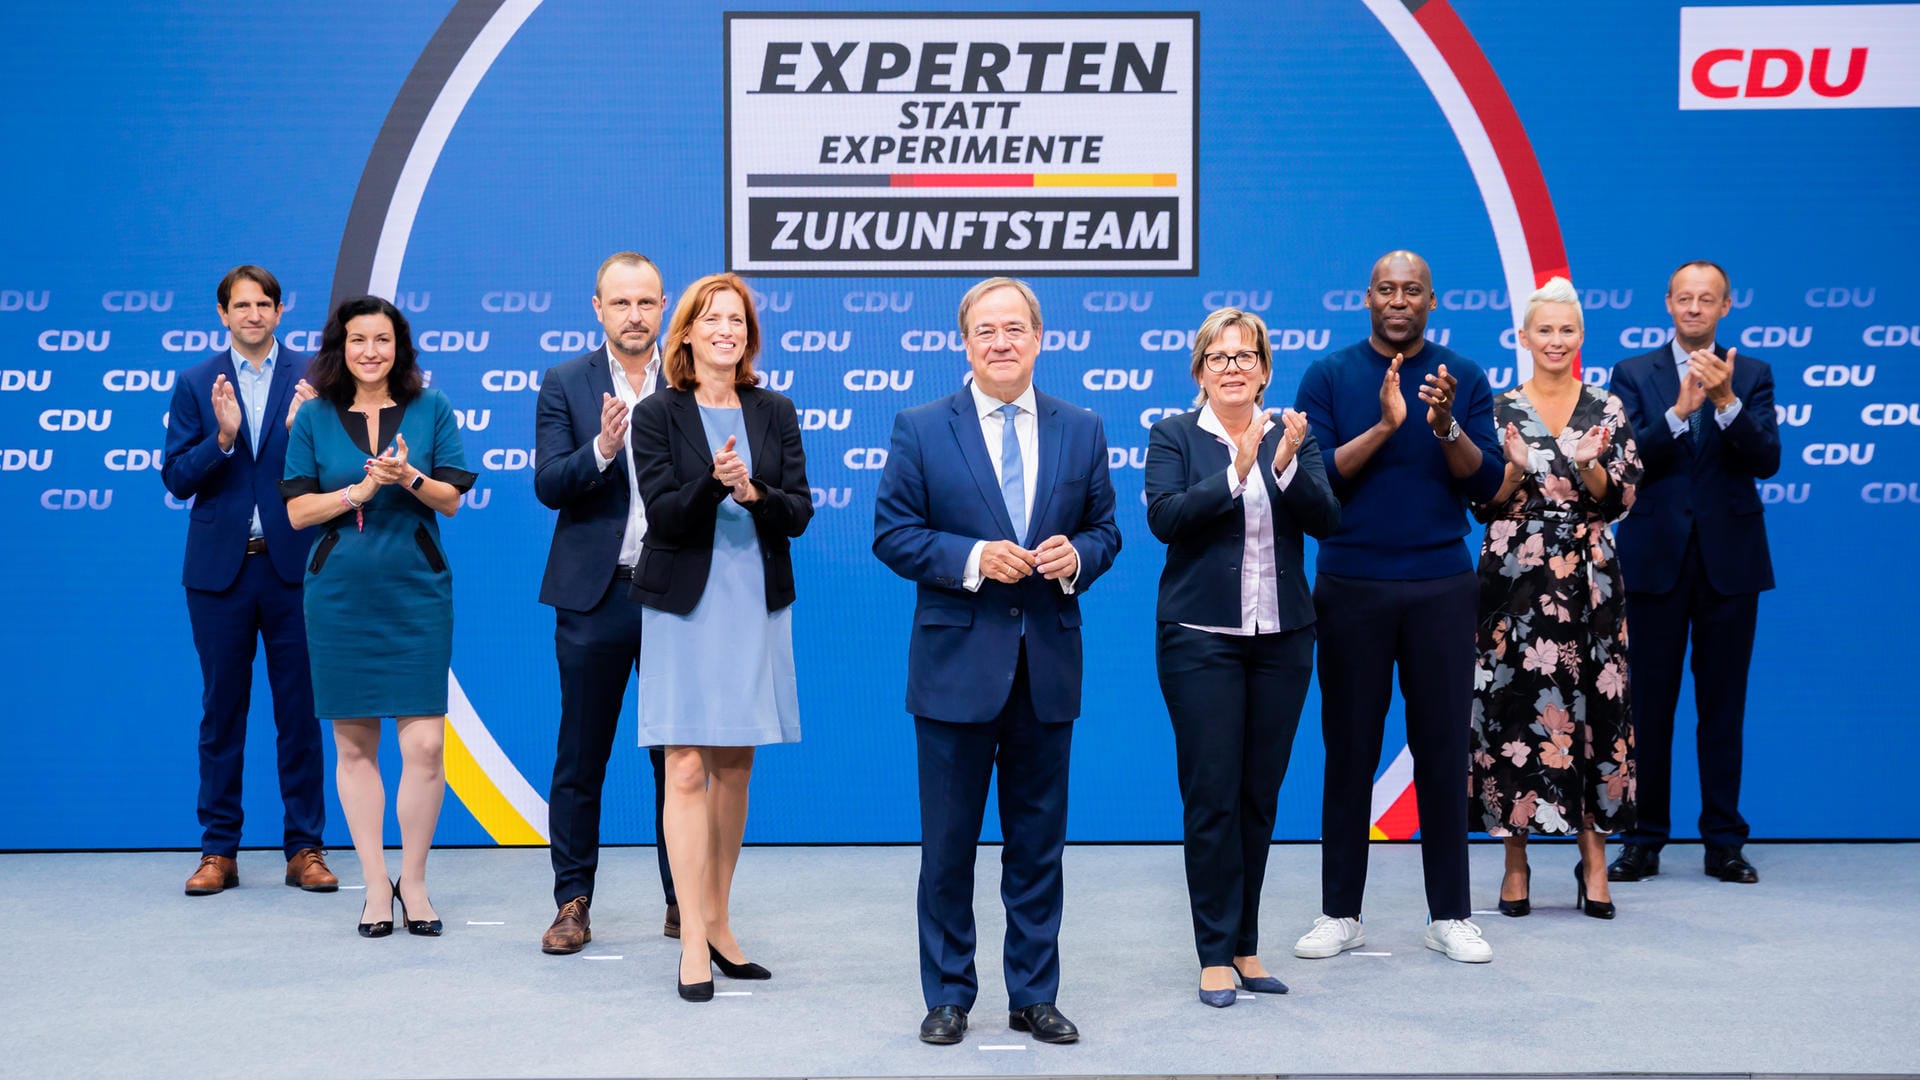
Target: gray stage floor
109, 970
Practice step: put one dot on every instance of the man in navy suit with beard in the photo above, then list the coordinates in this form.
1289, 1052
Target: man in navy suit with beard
1694, 557
245, 564
997, 504
585, 470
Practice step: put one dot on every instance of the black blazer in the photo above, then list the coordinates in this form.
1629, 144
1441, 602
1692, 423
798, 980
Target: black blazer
1709, 488
1190, 509
682, 497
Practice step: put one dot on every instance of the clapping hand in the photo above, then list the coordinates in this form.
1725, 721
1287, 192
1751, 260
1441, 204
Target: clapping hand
1393, 407
303, 392
613, 425
226, 411
1293, 433
391, 467
1437, 392
731, 471
1518, 452
1714, 375
1246, 446
1593, 443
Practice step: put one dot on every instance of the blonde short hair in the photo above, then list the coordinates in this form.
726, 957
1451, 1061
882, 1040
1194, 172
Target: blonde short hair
1557, 290
1253, 326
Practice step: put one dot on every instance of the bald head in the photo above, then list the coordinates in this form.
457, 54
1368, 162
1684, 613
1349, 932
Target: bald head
1400, 297
1402, 264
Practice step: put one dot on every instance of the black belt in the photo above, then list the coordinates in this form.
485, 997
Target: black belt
257, 545
623, 573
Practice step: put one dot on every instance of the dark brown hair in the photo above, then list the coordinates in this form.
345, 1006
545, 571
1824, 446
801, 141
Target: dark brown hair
328, 372
249, 272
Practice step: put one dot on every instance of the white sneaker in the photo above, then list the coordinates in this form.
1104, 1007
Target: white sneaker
1330, 937
1460, 940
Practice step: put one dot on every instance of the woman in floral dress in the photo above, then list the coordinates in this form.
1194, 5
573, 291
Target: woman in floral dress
1551, 744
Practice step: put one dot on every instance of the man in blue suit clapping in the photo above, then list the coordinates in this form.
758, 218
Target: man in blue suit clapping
226, 445
996, 503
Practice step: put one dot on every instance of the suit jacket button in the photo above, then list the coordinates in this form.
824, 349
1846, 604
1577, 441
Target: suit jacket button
1014, 611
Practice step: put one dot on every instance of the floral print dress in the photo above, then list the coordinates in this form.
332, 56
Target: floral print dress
1551, 743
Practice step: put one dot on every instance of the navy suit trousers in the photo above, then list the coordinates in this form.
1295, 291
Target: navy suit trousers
597, 650
1722, 629
1426, 628
227, 626
956, 769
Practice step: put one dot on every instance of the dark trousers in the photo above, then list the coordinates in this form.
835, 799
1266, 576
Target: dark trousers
597, 650
1722, 630
1235, 704
226, 628
1366, 628
956, 768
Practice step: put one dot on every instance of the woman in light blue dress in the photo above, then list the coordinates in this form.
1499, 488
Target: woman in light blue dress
724, 478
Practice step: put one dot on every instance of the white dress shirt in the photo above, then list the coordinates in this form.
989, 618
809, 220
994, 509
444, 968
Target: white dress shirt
636, 510
1677, 423
1259, 565
993, 427
252, 388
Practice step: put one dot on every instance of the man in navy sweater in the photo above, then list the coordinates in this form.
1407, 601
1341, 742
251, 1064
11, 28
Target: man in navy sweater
1397, 586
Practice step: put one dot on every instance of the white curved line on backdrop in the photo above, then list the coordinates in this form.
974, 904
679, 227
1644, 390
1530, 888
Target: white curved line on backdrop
385, 281
425, 154
1516, 263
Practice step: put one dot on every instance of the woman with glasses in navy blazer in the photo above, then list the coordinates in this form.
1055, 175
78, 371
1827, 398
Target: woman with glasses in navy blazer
1231, 491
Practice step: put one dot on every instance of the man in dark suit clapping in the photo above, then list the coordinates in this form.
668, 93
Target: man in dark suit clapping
585, 470
226, 450
996, 503
1694, 556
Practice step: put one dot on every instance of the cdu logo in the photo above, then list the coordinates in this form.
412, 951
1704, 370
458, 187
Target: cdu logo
76, 499
24, 300
862, 303
507, 302
120, 381
473, 341
1244, 299
76, 420
12, 460
74, 340
1109, 302
835, 498
135, 300
31, 381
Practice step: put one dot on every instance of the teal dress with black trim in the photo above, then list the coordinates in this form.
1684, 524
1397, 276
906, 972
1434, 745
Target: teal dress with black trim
379, 592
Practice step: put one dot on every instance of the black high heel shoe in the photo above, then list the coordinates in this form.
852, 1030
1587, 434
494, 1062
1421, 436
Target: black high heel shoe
417, 927
384, 927
1599, 909
746, 969
700, 991
1522, 906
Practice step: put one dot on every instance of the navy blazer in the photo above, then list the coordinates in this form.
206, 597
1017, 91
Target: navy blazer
683, 499
592, 504
938, 496
225, 488
1190, 508
1709, 487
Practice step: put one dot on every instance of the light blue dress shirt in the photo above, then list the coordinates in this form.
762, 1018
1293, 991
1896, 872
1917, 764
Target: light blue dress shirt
252, 388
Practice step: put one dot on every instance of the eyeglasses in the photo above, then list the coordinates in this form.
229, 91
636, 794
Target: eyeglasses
1218, 362
1015, 333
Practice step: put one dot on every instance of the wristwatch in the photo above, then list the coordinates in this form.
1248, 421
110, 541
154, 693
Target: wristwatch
418, 479
1453, 431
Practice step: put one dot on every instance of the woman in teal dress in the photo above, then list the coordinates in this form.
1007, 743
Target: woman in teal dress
370, 461
725, 481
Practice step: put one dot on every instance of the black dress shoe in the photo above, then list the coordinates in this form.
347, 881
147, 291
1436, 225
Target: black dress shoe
1523, 906
745, 969
1045, 1022
1728, 864
1637, 862
1597, 909
944, 1025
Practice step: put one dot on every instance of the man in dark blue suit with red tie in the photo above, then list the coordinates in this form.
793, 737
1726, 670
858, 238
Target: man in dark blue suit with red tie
1693, 552
996, 502
226, 447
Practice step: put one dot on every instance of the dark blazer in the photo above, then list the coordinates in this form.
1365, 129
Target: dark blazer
683, 498
1709, 487
592, 504
938, 496
225, 488
1204, 527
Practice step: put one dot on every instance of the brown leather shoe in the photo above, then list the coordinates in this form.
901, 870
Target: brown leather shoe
570, 931
308, 870
672, 929
216, 872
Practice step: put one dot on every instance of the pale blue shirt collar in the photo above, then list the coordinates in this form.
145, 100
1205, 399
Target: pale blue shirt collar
985, 404
266, 366
1680, 355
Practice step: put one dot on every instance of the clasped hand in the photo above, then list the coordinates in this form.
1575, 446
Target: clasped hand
391, 467
1708, 378
731, 471
1007, 562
